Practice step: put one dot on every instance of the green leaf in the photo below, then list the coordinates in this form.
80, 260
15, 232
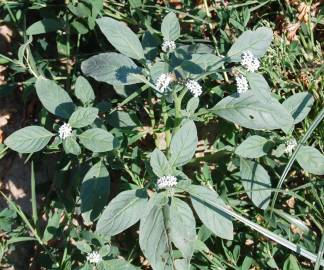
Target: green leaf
94, 191
253, 147
154, 236
202, 63
311, 160
112, 68
83, 246
122, 212
256, 42
183, 144
54, 98
84, 91
52, 226
97, 140
259, 85
159, 163
121, 119
256, 182
29, 139
45, 26
121, 37
299, 105
170, 27
118, 264
182, 227
83, 117
71, 146
248, 111
216, 221
192, 105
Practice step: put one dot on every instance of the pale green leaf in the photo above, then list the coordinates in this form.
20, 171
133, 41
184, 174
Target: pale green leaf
248, 111
183, 144
256, 182
170, 27
299, 105
154, 236
94, 191
257, 42
159, 163
54, 98
97, 140
253, 147
182, 227
29, 139
112, 68
217, 221
83, 117
84, 91
122, 212
121, 37
311, 160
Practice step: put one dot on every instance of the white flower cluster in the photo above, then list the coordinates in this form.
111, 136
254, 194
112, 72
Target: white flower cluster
242, 84
163, 81
290, 145
194, 87
167, 181
94, 257
168, 45
249, 61
65, 131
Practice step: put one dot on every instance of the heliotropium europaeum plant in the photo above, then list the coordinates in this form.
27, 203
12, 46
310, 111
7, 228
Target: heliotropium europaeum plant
162, 198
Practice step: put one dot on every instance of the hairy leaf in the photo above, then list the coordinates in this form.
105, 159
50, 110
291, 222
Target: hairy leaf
29, 139
121, 37
122, 212
256, 182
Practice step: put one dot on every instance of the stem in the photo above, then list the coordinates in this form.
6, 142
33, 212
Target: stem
33, 194
319, 254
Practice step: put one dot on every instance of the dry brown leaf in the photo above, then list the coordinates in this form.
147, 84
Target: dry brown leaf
291, 202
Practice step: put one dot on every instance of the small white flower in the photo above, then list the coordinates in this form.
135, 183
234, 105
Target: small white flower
194, 87
163, 81
94, 257
250, 62
290, 145
242, 84
168, 45
65, 131
167, 181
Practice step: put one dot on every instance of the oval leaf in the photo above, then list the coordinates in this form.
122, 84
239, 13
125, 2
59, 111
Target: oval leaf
154, 236
183, 144
122, 212
311, 160
121, 37
112, 68
256, 42
253, 147
182, 227
54, 98
159, 163
83, 117
97, 140
256, 182
29, 139
45, 26
216, 221
248, 111
170, 27
299, 105
84, 91
94, 191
